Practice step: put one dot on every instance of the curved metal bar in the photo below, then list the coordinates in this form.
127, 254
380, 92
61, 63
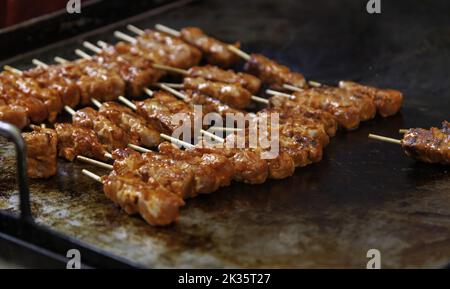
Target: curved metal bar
13, 133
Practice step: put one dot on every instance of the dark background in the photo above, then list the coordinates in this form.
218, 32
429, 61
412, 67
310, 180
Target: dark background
364, 194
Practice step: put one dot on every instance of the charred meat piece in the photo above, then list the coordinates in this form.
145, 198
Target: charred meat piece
165, 170
215, 52
109, 134
344, 110
14, 114
288, 108
93, 80
211, 171
41, 152
129, 121
430, 146
233, 95
28, 86
272, 73
160, 111
209, 104
214, 73
156, 205
35, 109
136, 70
172, 51
248, 166
49, 77
387, 101
364, 103
74, 141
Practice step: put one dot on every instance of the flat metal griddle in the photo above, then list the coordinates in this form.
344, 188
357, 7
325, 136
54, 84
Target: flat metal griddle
364, 194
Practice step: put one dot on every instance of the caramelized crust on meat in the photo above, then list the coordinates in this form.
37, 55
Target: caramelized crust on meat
214, 73
211, 171
134, 68
41, 152
35, 109
387, 101
14, 114
343, 109
209, 104
153, 202
49, 77
430, 146
109, 134
172, 51
74, 141
288, 108
93, 80
233, 95
215, 52
30, 88
129, 121
272, 73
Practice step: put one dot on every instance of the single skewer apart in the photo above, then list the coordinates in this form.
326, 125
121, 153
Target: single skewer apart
385, 139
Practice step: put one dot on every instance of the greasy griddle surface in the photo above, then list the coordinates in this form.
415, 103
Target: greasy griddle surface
364, 194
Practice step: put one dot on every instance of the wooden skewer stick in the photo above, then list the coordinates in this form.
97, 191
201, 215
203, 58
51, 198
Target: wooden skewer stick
314, 83
12, 70
92, 47
385, 139
294, 88
138, 148
82, 54
173, 91
167, 30
95, 162
127, 102
275, 92
173, 85
171, 69
176, 141
239, 52
403, 130
135, 30
92, 175
39, 63
125, 37
102, 44
60, 60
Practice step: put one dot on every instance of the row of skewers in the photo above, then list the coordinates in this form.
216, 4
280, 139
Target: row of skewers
155, 184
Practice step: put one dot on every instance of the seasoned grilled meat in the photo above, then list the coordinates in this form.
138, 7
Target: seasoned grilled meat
387, 101
172, 51
233, 95
74, 141
13, 114
214, 73
364, 103
93, 80
41, 152
109, 134
31, 88
288, 108
272, 73
215, 52
160, 109
343, 109
209, 104
248, 165
129, 121
153, 202
211, 171
136, 70
430, 146
168, 172
49, 77
35, 109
